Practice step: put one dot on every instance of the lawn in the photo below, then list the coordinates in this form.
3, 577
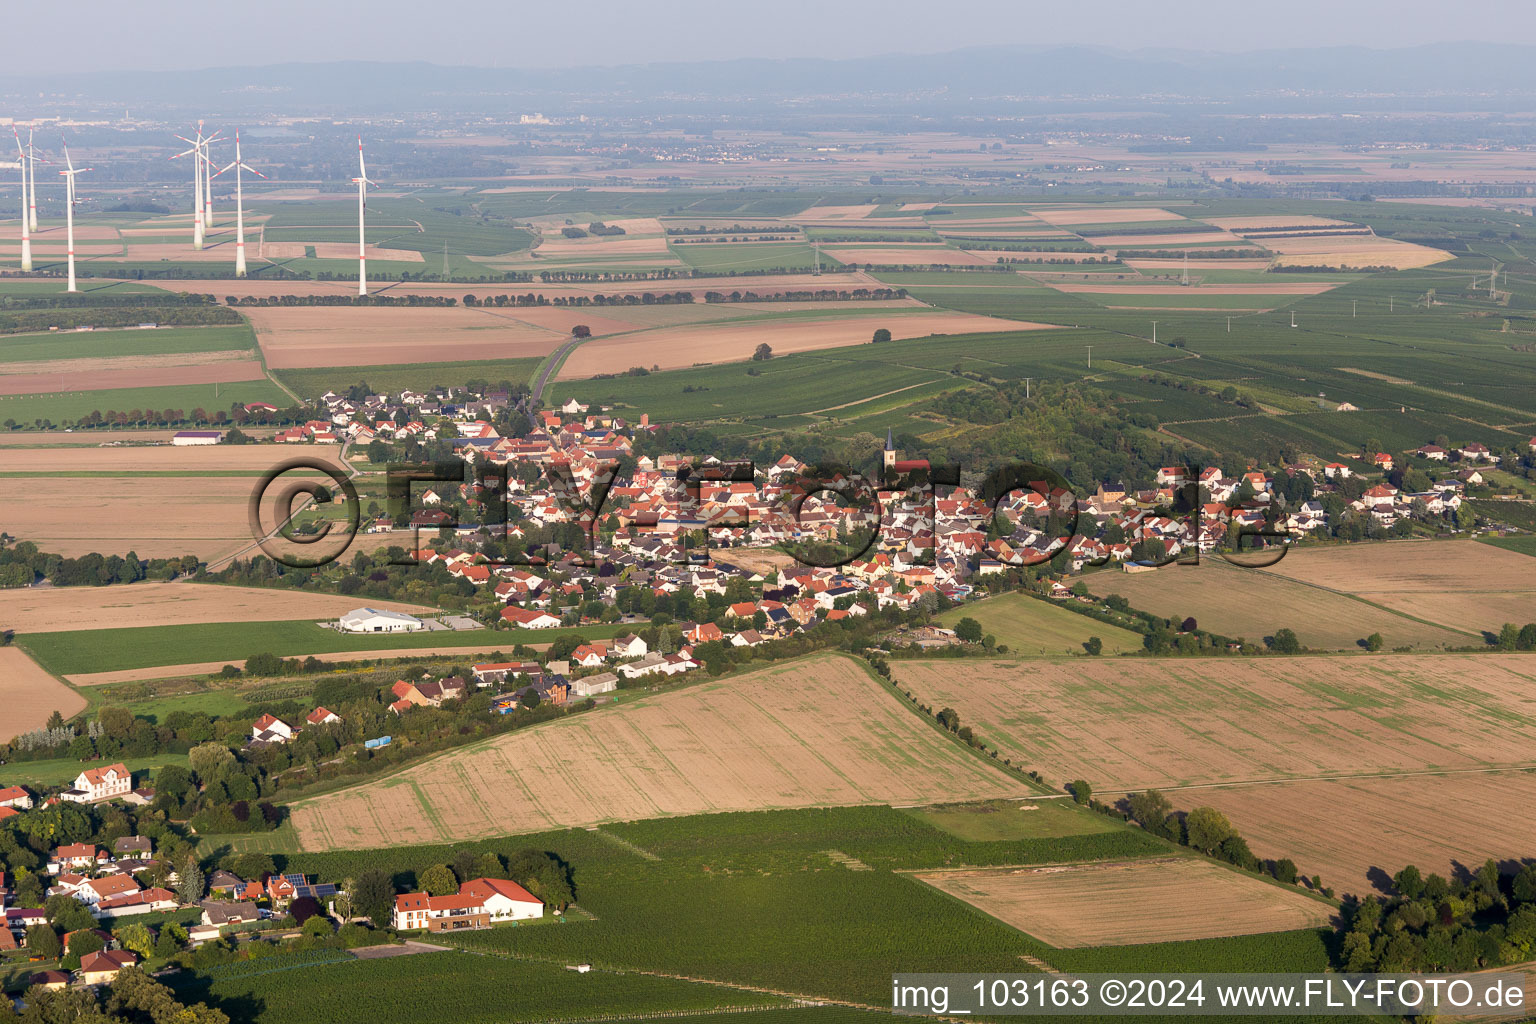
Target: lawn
107, 650
1030, 626
1524, 545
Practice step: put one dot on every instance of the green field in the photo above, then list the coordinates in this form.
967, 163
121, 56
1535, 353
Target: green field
450, 987
1007, 820
73, 405
726, 257
393, 379
106, 650
1524, 545
1030, 626
101, 344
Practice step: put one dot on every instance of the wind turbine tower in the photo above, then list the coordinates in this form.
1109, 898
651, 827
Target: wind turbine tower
1184, 278
69, 210
32, 175
237, 167
362, 218
26, 234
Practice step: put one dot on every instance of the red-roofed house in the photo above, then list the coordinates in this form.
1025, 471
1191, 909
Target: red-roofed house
15, 796
100, 968
503, 900
528, 618
320, 716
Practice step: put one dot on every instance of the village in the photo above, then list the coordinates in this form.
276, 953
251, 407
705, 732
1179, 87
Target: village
97, 908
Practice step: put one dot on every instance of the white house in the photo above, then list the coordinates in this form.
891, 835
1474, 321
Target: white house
630, 646
504, 900
528, 618
15, 796
96, 784
270, 729
377, 620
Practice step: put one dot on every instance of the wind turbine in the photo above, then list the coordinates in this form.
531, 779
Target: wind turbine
239, 206
363, 182
26, 234
69, 209
208, 172
199, 155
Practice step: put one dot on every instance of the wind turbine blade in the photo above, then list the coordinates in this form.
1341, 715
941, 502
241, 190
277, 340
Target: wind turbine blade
253, 170
223, 169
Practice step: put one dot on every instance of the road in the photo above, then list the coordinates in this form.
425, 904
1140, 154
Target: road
549, 367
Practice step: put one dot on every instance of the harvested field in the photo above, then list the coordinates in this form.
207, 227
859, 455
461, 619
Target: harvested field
1358, 832
130, 373
30, 695
1251, 604
1197, 265
677, 347
834, 213
153, 516
1169, 723
1071, 906
1353, 251
1459, 584
163, 458
300, 337
1085, 215
937, 255
55, 609
809, 733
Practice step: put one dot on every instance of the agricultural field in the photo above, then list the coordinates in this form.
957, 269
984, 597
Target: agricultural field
146, 605
1251, 604
1011, 820
148, 647
817, 732
1191, 722
1460, 584
1029, 627
1130, 902
300, 337
1448, 823
679, 347
30, 695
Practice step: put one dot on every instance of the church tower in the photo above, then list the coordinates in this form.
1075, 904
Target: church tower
888, 457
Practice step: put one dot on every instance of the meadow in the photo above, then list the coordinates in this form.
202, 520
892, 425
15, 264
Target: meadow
24, 348
141, 647
313, 383
1029, 626
61, 407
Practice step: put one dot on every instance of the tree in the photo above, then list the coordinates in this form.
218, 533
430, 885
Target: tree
207, 758
969, 630
1207, 828
1374, 642
317, 926
1285, 871
189, 887
438, 880
136, 938
43, 941
374, 897
1409, 882
1150, 808
581, 331
1095, 646
762, 353
881, 334
82, 942
304, 908
1509, 637
1082, 791
1285, 642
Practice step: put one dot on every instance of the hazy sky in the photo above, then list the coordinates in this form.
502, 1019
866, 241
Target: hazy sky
110, 35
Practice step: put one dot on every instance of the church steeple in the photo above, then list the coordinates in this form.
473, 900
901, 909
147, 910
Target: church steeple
888, 457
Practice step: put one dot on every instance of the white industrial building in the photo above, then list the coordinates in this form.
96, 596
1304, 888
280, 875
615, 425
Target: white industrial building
379, 620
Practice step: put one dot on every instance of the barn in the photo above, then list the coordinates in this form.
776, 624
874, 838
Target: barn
183, 438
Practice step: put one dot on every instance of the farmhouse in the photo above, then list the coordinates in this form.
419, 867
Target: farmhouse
321, 716
270, 729
99, 784
376, 620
